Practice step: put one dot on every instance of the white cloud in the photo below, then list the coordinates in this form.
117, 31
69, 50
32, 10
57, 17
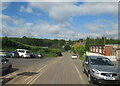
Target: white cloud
106, 28
28, 9
60, 31
94, 26
60, 0
62, 11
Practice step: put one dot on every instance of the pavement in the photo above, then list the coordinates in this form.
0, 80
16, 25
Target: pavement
60, 70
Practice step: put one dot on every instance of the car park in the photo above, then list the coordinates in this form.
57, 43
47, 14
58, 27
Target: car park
74, 56
100, 70
6, 65
23, 52
12, 54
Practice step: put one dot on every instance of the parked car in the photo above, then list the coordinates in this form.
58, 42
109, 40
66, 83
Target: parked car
36, 55
6, 65
59, 54
2, 53
12, 54
100, 70
74, 56
23, 52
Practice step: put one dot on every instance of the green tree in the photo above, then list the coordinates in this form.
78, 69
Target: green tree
80, 50
67, 47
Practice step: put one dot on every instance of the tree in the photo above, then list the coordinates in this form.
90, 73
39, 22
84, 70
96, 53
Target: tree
81, 50
67, 47
24, 37
87, 44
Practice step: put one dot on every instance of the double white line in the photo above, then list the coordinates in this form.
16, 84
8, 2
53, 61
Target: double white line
37, 76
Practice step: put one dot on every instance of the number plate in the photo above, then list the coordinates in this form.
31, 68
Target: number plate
109, 78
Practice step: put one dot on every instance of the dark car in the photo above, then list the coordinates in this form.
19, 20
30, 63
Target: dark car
100, 70
36, 55
6, 65
59, 54
12, 54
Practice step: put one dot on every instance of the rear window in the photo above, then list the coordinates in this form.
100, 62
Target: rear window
22, 51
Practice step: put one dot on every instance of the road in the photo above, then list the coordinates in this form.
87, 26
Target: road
60, 70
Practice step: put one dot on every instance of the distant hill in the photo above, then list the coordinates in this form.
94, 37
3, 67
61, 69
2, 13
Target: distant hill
11, 44
55, 43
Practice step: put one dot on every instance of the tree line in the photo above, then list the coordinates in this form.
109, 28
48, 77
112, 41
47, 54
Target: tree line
55, 43
100, 41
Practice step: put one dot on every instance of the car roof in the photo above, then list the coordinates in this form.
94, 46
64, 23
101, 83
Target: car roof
97, 57
74, 54
21, 49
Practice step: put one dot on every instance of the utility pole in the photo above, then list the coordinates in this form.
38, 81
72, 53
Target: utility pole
94, 41
104, 41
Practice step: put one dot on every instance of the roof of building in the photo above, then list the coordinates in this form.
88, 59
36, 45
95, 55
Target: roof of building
106, 45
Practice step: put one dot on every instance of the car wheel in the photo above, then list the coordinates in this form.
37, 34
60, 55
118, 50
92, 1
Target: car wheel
83, 70
22, 56
90, 78
9, 68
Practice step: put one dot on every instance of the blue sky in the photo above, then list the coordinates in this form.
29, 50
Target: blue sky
65, 20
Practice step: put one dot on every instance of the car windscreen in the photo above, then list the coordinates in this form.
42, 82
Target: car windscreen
101, 61
74, 55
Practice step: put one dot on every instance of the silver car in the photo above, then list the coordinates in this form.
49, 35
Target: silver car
100, 70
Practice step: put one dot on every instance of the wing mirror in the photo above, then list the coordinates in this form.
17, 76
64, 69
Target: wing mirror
86, 63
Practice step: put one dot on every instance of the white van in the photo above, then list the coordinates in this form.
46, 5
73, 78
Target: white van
23, 52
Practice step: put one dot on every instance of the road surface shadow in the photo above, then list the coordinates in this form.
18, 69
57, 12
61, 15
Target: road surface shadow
8, 72
5, 80
27, 73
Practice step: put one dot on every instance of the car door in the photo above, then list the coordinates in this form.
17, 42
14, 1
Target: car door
86, 64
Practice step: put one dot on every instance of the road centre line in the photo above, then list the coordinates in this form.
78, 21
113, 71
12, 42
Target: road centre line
37, 76
40, 70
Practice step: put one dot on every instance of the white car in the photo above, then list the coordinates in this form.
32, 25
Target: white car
74, 56
23, 52
2, 53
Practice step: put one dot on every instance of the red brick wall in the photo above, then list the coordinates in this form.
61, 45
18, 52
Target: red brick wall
108, 50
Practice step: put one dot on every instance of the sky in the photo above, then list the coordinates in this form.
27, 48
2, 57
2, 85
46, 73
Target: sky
59, 20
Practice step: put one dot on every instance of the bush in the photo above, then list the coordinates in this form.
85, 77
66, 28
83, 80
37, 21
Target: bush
80, 50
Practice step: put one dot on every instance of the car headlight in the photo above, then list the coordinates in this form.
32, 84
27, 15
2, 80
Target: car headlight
95, 71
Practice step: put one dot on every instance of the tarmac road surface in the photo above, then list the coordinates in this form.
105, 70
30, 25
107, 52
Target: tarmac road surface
60, 70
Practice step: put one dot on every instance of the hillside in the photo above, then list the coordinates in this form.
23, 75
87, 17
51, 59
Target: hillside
55, 43
9, 44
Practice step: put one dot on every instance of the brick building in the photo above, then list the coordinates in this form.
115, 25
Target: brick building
107, 50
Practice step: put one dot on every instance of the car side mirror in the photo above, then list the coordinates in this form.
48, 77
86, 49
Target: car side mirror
86, 63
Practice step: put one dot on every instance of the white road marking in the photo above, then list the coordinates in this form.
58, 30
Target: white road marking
78, 72
37, 76
40, 70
